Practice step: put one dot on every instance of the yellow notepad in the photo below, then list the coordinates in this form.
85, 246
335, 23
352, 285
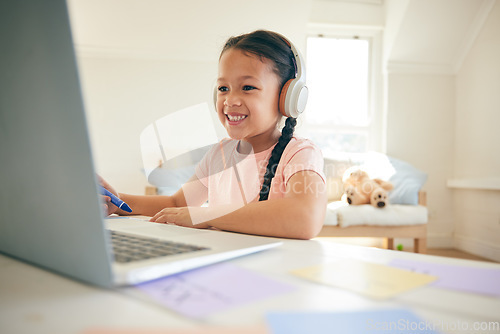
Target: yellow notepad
371, 279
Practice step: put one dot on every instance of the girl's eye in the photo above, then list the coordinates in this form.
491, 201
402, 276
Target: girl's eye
223, 89
248, 87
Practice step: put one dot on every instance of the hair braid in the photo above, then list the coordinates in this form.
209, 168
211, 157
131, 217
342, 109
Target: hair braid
286, 136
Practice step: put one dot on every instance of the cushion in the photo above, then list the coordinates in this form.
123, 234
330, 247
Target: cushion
171, 180
341, 214
170, 177
407, 181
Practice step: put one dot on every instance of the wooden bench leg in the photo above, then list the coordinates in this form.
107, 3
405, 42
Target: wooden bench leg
389, 243
420, 245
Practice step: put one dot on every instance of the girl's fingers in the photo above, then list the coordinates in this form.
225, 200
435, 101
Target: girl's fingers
164, 216
153, 219
162, 219
106, 205
106, 184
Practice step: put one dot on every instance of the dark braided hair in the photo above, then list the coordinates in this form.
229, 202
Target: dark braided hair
270, 45
286, 136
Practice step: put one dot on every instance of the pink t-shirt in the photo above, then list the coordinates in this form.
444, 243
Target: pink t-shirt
235, 178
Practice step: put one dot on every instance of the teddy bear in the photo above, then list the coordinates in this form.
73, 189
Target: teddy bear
360, 189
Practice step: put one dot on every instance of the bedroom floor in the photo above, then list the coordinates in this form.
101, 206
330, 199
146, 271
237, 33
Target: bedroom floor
446, 252
455, 253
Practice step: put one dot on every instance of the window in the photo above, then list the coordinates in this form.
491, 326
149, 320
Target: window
343, 113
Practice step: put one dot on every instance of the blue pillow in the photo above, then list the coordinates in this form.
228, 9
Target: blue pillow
407, 182
172, 181
176, 171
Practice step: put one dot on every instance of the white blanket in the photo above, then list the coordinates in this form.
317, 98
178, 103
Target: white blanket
342, 214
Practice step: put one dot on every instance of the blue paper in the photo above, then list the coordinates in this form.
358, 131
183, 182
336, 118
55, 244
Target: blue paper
395, 321
484, 281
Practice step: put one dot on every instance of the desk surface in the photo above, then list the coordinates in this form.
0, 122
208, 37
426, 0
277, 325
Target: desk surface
33, 300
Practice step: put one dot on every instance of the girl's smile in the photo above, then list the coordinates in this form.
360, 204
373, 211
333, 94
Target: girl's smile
235, 118
247, 98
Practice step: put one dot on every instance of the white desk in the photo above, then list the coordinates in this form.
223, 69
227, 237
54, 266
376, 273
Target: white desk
33, 300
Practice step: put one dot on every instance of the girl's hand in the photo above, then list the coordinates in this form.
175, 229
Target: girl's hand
177, 216
107, 206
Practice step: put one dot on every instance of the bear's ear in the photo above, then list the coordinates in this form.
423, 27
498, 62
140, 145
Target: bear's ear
384, 184
364, 174
359, 174
387, 186
349, 182
352, 177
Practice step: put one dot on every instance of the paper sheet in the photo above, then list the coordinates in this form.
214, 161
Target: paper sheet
377, 321
469, 279
370, 279
201, 292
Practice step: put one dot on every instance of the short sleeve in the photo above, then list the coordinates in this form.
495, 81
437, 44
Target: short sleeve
214, 161
302, 155
202, 169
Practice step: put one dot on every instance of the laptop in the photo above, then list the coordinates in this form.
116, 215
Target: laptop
50, 210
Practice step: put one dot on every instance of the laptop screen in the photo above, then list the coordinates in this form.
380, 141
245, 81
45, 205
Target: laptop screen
50, 211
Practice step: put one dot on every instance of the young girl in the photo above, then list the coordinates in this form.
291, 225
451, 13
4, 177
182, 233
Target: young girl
281, 192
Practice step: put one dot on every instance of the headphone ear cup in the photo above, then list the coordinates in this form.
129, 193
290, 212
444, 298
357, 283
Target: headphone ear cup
283, 106
293, 98
300, 94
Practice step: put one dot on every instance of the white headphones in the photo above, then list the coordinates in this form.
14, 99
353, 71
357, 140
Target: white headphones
293, 96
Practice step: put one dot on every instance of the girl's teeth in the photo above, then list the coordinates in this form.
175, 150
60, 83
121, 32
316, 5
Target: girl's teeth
236, 118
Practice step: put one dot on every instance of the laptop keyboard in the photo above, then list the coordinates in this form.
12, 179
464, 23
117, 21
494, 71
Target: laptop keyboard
129, 248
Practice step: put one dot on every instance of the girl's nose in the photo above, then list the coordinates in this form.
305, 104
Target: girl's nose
232, 100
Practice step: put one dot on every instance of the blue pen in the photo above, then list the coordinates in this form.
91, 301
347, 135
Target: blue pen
115, 200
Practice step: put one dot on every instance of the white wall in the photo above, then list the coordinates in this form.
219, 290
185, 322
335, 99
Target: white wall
420, 130
420, 114
394, 14
350, 13
477, 142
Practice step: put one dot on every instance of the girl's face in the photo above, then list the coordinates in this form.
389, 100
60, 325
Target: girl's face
247, 98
